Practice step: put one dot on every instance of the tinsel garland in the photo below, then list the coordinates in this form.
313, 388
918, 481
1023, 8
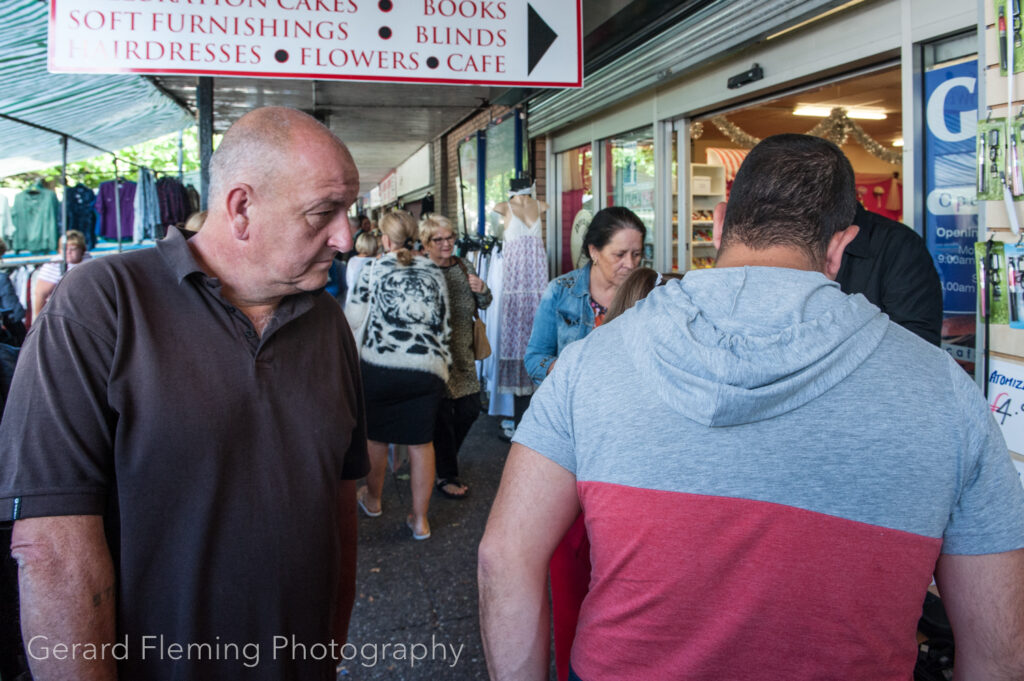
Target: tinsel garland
735, 133
696, 130
893, 156
837, 128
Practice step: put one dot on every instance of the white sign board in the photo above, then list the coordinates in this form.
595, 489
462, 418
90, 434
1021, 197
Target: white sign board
484, 42
1006, 399
414, 172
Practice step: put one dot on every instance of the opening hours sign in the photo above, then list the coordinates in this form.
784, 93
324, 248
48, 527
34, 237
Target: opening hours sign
483, 42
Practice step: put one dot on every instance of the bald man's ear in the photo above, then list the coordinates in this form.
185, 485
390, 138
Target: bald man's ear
238, 202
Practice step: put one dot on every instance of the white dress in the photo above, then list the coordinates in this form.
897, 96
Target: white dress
524, 281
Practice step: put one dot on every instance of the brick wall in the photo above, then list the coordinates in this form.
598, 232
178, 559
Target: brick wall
539, 171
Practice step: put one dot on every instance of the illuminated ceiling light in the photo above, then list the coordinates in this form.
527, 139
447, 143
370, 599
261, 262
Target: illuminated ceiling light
824, 111
898, 142
815, 18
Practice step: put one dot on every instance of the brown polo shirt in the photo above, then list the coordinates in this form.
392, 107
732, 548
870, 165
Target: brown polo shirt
214, 455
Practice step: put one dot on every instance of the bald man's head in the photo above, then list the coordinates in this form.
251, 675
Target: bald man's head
256, 147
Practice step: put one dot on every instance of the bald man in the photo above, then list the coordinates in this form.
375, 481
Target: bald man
184, 431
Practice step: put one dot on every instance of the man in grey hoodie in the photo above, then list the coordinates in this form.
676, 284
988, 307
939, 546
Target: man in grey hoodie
770, 470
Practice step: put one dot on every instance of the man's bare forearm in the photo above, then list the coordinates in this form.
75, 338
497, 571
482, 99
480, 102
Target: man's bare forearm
67, 593
514, 617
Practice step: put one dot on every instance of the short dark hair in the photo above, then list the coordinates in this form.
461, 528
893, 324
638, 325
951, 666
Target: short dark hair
791, 190
606, 223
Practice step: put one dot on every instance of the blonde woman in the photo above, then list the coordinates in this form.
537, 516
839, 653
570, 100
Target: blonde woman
399, 312
50, 275
461, 404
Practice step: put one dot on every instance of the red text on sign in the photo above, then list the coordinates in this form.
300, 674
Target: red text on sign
467, 9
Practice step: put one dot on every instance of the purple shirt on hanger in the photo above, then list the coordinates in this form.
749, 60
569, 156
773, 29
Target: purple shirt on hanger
106, 210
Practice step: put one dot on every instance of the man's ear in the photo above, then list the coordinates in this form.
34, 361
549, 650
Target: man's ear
238, 203
718, 221
836, 246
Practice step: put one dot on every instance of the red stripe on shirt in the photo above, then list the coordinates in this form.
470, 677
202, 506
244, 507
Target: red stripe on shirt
688, 586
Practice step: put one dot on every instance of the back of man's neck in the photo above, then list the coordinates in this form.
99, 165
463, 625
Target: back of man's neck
738, 255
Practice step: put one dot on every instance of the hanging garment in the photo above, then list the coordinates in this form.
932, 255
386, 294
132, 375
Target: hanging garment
35, 215
107, 211
146, 206
193, 199
20, 278
81, 202
525, 278
500, 404
6, 224
174, 203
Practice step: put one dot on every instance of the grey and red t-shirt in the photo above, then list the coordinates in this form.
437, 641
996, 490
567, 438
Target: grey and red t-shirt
769, 470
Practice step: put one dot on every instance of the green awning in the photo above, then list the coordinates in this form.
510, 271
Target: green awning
110, 111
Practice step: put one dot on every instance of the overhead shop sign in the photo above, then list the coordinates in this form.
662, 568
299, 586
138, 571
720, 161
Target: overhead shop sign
483, 42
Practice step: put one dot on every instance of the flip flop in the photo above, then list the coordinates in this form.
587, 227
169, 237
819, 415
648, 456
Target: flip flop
362, 505
417, 537
443, 482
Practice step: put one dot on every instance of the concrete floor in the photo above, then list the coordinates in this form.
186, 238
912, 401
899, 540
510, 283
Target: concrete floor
420, 597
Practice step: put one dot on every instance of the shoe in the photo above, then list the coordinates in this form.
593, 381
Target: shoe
444, 482
417, 537
360, 499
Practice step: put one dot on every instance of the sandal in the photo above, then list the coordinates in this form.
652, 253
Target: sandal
418, 537
445, 482
361, 500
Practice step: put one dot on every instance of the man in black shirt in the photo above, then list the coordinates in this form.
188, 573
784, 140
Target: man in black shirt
183, 434
890, 265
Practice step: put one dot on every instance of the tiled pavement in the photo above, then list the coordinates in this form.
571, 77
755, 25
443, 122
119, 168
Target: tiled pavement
420, 597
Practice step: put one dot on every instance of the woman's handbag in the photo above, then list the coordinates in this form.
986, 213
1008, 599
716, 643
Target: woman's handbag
481, 346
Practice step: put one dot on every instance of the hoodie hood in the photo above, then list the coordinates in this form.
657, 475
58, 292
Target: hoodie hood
743, 344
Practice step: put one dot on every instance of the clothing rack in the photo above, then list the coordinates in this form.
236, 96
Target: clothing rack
484, 244
64, 137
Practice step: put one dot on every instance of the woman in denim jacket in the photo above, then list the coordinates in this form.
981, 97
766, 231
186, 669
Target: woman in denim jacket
575, 302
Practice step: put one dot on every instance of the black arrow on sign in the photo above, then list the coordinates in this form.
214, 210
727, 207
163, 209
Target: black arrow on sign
539, 37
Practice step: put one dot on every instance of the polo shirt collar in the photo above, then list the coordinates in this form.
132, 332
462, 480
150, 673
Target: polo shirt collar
174, 248
861, 244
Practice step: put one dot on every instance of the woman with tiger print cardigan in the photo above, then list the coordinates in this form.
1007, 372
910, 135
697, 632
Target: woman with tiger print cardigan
400, 315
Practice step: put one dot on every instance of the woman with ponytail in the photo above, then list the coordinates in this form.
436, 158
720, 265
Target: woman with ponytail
399, 313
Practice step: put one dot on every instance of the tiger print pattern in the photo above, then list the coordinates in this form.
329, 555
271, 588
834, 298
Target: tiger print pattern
401, 315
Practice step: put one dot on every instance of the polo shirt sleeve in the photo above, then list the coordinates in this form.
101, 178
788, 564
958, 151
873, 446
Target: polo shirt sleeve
988, 516
56, 433
547, 426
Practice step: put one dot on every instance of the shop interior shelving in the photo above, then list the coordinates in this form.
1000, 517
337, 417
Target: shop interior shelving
707, 188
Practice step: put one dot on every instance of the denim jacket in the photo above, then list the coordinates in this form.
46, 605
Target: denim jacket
564, 316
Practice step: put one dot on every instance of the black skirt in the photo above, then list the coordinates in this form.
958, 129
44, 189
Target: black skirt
401, 404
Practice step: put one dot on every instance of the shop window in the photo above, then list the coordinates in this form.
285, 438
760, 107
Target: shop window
469, 211
629, 171
502, 164
862, 114
576, 203
488, 161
